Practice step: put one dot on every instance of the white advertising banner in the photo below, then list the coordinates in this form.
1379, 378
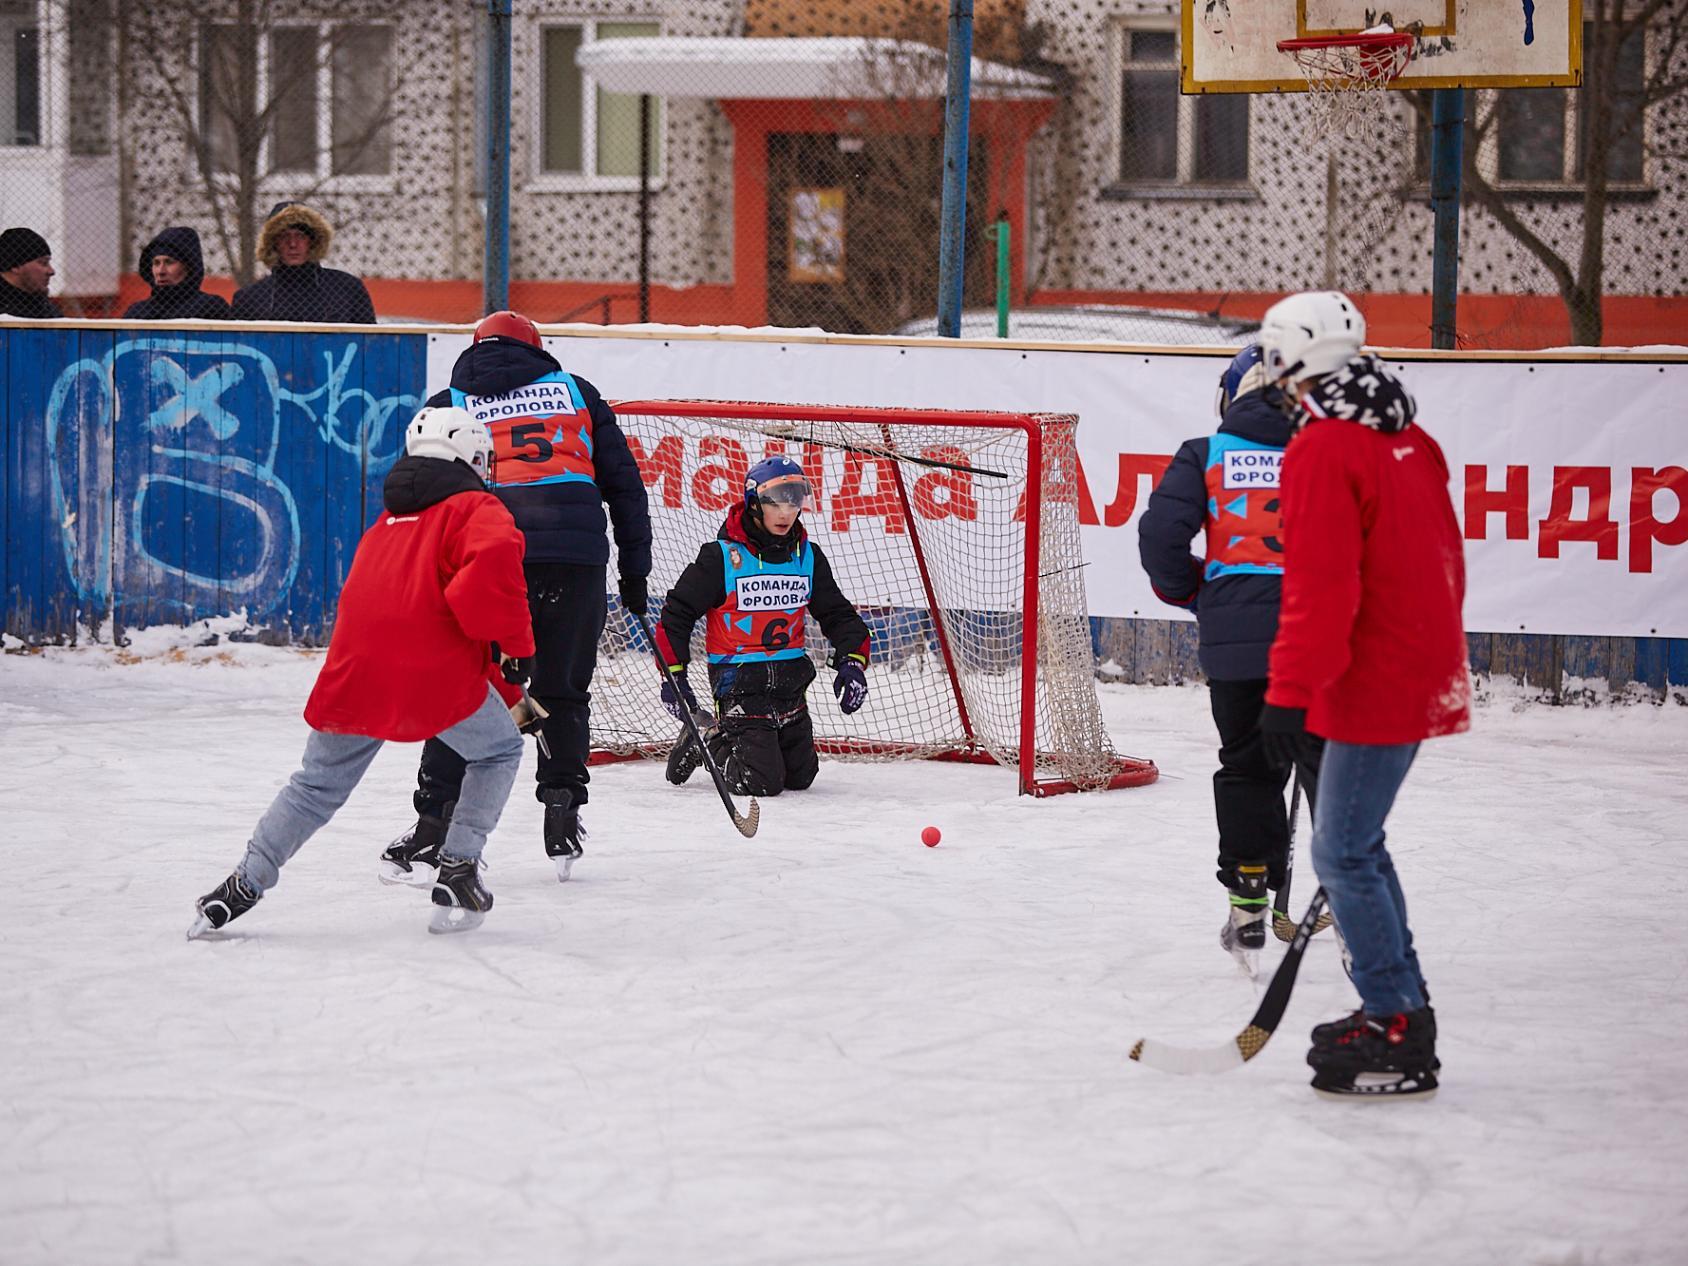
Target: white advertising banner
1570, 476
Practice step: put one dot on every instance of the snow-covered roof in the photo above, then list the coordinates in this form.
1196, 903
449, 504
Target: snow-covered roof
827, 69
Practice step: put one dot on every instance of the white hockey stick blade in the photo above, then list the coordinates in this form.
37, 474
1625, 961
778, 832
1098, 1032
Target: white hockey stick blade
455, 919
1185, 1062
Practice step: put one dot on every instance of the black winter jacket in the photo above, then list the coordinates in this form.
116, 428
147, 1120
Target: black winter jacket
305, 292
21, 303
1237, 615
185, 300
703, 586
564, 523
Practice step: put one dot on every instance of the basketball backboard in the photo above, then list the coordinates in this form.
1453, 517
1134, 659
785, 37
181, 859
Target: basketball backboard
1232, 45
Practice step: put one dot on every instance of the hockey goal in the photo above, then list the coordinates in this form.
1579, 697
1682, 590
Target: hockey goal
956, 536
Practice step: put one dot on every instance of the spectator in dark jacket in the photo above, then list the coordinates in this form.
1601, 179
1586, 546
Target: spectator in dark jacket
561, 458
26, 270
1226, 486
293, 244
174, 266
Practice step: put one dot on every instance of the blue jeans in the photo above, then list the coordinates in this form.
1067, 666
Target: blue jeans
335, 763
1357, 788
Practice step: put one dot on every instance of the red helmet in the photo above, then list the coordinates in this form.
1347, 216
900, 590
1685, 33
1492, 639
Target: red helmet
510, 325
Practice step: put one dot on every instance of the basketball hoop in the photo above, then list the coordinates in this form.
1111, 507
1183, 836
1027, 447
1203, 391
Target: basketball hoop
1342, 73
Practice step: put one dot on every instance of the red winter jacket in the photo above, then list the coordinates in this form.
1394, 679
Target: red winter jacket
1370, 639
436, 579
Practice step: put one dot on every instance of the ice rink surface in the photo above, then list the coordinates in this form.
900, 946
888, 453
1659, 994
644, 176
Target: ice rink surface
824, 1045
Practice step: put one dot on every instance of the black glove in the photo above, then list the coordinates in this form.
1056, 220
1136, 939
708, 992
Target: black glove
677, 695
517, 669
850, 685
635, 595
1281, 732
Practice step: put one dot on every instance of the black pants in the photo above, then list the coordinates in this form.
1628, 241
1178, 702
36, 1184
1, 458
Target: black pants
568, 603
1248, 794
763, 755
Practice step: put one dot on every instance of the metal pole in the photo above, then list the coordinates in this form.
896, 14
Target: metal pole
1447, 144
952, 229
644, 207
1004, 234
495, 275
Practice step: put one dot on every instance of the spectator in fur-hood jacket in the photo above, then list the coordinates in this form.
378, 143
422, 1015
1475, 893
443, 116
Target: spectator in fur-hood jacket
293, 244
173, 265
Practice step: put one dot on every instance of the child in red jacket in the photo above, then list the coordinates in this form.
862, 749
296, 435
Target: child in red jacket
436, 583
1370, 655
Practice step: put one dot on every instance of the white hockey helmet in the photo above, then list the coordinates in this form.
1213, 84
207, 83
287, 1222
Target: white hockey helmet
450, 433
1310, 334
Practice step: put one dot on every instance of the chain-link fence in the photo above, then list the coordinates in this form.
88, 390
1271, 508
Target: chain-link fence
299, 160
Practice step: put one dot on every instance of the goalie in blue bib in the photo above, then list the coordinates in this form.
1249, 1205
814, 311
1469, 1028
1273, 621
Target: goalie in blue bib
754, 584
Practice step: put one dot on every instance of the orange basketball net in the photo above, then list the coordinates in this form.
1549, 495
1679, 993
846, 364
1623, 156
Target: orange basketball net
1343, 72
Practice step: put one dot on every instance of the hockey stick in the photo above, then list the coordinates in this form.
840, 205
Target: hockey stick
1252, 1040
1283, 927
746, 823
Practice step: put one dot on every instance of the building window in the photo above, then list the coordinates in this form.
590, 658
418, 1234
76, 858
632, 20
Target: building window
1167, 138
586, 133
20, 74
1542, 134
316, 100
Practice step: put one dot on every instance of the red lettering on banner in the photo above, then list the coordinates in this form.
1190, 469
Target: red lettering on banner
729, 473
1067, 483
1513, 502
1598, 527
946, 494
852, 502
1644, 529
1131, 467
661, 469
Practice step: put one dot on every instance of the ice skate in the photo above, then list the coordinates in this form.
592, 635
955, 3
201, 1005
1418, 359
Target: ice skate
683, 758
1244, 934
229, 900
1378, 1057
563, 833
414, 858
460, 899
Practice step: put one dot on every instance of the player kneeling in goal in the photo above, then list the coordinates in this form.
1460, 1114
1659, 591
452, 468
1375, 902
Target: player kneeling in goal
434, 583
754, 583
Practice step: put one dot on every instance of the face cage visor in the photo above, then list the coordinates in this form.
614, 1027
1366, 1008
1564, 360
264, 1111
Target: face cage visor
787, 490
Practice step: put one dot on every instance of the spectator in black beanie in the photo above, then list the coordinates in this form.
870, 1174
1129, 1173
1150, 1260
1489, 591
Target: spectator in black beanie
26, 270
293, 244
174, 266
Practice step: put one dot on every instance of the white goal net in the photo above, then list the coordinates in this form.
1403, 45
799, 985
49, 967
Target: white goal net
954, 534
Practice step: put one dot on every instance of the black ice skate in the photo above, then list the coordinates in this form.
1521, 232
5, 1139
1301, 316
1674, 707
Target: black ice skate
414, 857
460, 899
1368, 1056
563, 833
684, 757
229, 900
1244, 933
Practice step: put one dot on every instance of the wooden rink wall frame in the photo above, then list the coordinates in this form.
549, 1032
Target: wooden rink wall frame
167, 472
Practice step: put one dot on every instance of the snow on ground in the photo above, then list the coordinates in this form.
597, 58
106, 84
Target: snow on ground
824, 1045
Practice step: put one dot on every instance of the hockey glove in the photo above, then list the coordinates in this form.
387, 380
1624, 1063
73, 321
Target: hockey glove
635, 594
528, 714
517, 669
850, 685
1281, 734
677, 694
